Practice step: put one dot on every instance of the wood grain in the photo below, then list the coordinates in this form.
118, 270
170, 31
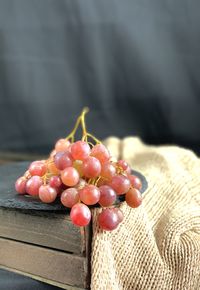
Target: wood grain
45, 263
41, 243
40, 228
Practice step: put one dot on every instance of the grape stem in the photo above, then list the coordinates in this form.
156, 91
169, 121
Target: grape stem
73, 132
84, 112
85, 134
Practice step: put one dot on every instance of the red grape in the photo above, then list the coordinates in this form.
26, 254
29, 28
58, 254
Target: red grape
27, 174
80, 150
55, 181
91, 167
52, 168
47, 193
108, 219
69, 197
133, 197
53, 153
78, 165
107, 195
59, 190
100, 152
119, 214
70, 176
20, 185
120, 184
80, 215
123, 164
108, 170
69, 148
81, 183
128, 170
37, 168
33, 185
135, 181
89, 194
62, 145
63, 160
101, 182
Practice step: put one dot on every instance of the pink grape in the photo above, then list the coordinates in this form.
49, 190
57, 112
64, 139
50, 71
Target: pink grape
133, 197
33, 185
62, 145
100, 152
120, 184
128, 170
135, 181
20, 185
38, 168
108, 219
69, 148
53, 153
81, 183
89, 194
70, 176
63, 187
108, 170
80, 215
80, 150
52, 168
55, 181
123, 164
119, 214
107, 195
27, 174
78, 165
101, 182
69, 197
63, 160
91, 167
59, 190
47, 193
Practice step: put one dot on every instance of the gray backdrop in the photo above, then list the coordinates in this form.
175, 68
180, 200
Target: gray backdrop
134, 63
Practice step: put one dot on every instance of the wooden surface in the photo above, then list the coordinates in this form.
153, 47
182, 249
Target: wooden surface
46, 229
39, 240
49, 264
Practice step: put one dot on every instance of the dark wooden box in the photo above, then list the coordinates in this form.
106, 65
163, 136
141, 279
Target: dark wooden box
41, 242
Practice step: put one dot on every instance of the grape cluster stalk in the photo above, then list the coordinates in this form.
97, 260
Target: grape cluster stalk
82, 174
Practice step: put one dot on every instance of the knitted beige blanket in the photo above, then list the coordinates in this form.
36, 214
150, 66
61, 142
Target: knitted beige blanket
157, 246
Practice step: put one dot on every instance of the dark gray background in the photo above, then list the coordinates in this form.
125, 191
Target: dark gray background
135, 63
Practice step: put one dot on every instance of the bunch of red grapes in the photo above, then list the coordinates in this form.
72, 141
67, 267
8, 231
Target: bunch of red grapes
83, 174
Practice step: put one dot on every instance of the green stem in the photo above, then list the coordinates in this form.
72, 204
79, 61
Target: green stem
85, 134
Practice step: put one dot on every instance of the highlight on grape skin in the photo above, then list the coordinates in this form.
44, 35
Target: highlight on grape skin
80, 214
80, 174
70, 197
37, 168
90, 194
108, 219
47, 193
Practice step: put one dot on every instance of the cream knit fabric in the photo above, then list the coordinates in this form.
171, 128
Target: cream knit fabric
157, 246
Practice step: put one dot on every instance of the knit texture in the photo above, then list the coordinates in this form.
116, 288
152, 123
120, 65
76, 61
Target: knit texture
157, 246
